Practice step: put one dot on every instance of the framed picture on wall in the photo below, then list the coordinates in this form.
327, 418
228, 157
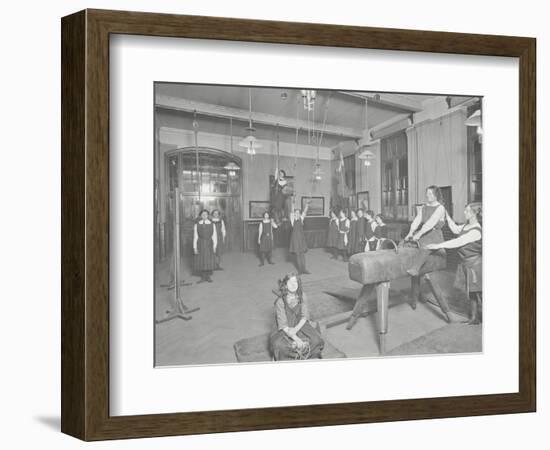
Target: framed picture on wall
257, 208
316, 205
363, 200
209, 148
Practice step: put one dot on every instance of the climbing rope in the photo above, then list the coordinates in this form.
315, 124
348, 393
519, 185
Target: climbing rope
197, 159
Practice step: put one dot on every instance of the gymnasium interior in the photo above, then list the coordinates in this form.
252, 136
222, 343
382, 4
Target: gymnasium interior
220, 147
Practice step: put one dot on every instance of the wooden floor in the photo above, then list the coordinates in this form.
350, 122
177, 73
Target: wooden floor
239, 304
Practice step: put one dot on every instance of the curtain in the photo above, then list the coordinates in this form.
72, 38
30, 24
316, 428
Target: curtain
438, 155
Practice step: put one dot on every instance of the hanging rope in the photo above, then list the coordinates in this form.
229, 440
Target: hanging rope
297, 132
319, 141
197, 159
278, 153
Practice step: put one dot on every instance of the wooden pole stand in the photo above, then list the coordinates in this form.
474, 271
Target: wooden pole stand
181, 310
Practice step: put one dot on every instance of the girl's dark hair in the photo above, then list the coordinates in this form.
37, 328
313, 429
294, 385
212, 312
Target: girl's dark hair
283, 172
437, 192
216, 211
477, 210
268, 214
370, 212
380, 216
204, 210
283, 289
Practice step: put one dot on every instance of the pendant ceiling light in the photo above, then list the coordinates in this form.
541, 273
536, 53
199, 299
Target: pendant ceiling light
365, 144
317, 171
308, 98
475, 121
250, 142
367, 156
231, 167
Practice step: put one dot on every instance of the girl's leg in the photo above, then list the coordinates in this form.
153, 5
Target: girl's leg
208, 276
474, 317
261, 259
202, 274
297, 263
423, 254
303, 264
268, 255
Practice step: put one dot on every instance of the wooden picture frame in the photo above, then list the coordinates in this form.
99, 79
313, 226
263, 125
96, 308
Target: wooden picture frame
85, 224
256, 208
318, 204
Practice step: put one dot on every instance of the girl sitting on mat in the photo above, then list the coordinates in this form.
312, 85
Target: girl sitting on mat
295, 337
469, 245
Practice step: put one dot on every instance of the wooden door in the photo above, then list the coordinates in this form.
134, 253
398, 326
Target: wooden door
220, 190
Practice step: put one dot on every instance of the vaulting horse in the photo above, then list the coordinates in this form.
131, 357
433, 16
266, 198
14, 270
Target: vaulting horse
376, 269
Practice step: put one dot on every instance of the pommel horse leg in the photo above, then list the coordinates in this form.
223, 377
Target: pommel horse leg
382, 303
360, 305
415, 291
439, 297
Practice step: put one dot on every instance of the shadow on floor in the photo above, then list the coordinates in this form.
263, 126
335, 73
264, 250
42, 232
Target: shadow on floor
52, 422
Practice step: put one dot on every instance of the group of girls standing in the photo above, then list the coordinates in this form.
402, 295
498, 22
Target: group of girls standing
208, 242
358, 232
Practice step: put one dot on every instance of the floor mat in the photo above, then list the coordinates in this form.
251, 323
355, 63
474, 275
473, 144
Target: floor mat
454, 338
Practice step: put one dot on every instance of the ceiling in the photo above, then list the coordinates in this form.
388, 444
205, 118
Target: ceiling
342, 108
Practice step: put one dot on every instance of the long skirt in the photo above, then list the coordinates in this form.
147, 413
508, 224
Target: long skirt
469, 275
205, 259
342, 243
266, 243
298, 242
332, 236
282, 346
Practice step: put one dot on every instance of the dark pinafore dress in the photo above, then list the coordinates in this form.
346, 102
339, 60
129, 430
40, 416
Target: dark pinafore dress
381, 232
281, 344
435, 235
298, 242
360, 243
343, 230
332, 237
352, 238
205, 259
469, 271
266, 239
369, 234
279, 197
219, 234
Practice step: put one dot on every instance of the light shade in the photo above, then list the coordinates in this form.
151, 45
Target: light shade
250, 143
366, 154
474, 120
231, 166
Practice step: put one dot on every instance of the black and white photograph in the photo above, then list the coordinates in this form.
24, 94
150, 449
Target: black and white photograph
295, 223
